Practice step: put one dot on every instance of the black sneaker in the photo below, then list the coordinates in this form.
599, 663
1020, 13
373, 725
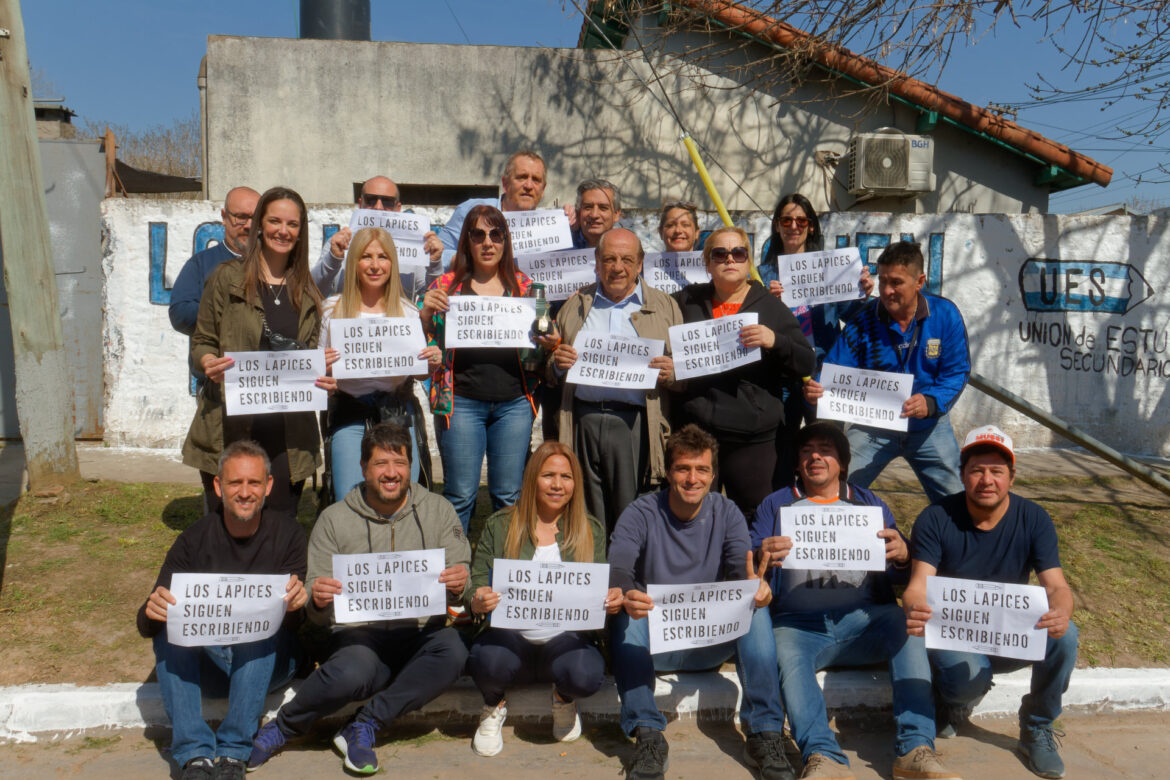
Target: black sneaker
650, 755
230, 769
199, 768
764, 752
1039, 747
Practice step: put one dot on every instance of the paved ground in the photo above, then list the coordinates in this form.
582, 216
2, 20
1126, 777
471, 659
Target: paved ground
1097, 746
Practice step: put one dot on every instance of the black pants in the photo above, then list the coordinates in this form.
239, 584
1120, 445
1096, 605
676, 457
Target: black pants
746, 471
401, 668
501, 657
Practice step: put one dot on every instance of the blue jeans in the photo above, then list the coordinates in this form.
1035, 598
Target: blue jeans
807, 643
502, 429
932, 452
755, 663
962, 678
244, 673
346, 456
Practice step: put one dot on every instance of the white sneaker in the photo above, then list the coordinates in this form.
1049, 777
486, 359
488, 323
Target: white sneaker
566, 724
489, 738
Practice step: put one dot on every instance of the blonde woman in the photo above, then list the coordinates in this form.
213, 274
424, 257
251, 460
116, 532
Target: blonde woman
548, 523
371, 288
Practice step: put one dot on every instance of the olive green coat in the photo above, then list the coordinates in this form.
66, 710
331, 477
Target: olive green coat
228, 323
494, 538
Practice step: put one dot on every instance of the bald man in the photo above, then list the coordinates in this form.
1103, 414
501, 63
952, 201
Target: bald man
379, 194
188, 288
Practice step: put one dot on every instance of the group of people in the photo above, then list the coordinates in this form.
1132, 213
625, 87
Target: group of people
682, 483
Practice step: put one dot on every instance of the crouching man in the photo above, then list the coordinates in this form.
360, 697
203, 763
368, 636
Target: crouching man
238, 538
399, 665
838, 617
687, 534
989, 533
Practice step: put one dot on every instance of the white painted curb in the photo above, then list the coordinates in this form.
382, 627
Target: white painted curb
31, 711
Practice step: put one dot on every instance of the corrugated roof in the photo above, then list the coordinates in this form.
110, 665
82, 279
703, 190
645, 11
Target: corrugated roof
1061, 166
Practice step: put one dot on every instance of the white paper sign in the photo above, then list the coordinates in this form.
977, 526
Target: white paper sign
271, 382
389, 586
408, 231
839, 536
539, 231
689, 616
810, 278
672, 271
562, 273
711, 346
225, 609
550, 594
377, 346
489, 321
858, 395
612, 360
992, 618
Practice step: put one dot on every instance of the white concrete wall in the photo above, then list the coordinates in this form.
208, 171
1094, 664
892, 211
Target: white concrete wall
1110, 379
321, 115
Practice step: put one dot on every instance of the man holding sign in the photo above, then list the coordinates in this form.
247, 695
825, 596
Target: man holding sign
239, 538
988, 533
401, 664
377, 194
907, 331
687, 534
829, 615
619, 433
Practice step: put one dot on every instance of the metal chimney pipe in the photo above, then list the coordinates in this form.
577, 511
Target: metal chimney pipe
336, 20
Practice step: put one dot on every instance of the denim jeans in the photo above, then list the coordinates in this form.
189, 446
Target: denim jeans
346, 456
964, 677
932, 452
245, 673
502, 429
755, 662
501, 658
807, 643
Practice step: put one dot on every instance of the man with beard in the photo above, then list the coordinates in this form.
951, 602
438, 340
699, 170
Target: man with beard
399, 665
239, 538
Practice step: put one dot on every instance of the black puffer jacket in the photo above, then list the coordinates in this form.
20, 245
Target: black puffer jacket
744, 405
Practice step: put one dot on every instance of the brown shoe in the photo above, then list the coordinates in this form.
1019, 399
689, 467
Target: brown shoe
922, 763
824, 768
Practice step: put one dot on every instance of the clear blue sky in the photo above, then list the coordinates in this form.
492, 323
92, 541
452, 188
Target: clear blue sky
134, 62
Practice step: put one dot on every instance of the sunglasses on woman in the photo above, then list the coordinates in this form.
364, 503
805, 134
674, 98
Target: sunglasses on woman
723, 255
479, 234
800, 222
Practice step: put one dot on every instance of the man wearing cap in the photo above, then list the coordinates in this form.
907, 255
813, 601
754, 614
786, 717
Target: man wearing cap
825, 618
988, 533
907, 331
379, 194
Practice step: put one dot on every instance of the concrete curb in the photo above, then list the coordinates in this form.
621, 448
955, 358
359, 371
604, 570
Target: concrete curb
30, 712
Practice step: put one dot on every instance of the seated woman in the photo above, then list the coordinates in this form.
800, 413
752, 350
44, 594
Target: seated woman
678, 226
742, 408
481, 397
549, 523
371, 288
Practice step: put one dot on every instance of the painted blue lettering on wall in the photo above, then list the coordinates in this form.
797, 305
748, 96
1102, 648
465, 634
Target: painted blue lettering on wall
159, 293
1082, 285
206, 234
934, 257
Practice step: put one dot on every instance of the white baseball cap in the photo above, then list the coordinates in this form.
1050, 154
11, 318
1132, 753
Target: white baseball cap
989, 434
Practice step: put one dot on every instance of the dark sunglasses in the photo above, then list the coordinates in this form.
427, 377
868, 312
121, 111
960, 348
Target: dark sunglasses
479, 234
387, 201
800, 222
723, 255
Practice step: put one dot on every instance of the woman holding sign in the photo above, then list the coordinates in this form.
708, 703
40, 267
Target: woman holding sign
371, 289
548, 523
742, 407
796, 229
481, 396
265, 300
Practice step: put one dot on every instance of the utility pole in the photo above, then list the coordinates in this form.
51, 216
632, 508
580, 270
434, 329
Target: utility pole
44, 393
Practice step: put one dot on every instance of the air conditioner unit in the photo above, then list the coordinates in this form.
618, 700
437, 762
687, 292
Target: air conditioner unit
890, 162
